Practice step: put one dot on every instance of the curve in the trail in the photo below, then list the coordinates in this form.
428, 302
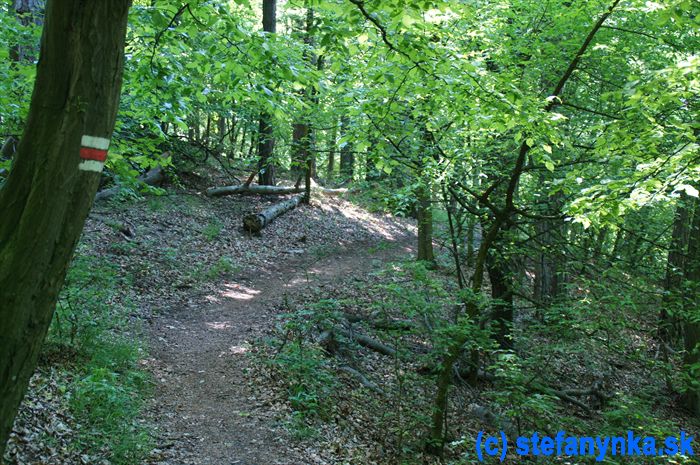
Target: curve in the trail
206, 409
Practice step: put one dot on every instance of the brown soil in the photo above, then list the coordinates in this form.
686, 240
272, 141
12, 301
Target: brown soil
207, 404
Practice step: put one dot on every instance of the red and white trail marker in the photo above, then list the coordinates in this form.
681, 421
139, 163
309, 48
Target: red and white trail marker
93, 153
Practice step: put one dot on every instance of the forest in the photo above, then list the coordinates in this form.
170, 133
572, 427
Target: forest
393, 232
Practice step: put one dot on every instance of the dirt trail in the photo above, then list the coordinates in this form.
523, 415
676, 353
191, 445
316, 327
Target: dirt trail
206, 409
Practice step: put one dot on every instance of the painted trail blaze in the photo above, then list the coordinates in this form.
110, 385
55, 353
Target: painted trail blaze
93, 153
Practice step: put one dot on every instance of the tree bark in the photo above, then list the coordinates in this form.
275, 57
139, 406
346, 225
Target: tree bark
424, 215
332, 140
347, 156
501, 279
254, 223
691, 304
259, 189
269, 190
266, 141
266, 148
675, 268
71, 119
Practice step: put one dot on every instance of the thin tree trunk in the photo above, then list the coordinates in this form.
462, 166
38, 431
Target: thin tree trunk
501, 279
332, 147
675, 268
266, 147
70, 123
440, 404
424, 215
347, 156
691, 300
266, 141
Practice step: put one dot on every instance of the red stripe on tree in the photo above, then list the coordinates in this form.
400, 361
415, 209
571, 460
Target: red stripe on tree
88, 153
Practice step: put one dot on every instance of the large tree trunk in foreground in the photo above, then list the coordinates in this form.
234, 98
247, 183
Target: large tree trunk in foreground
257, 221
49, 192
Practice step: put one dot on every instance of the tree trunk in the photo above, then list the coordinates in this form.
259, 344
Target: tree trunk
270, 190
691, 302
347, 156
266, 147
675, 268
330, 173
549, 277
424, 215
260, 190
501, 279
266, 141
70, 122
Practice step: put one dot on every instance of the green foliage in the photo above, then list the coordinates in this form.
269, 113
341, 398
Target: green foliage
109, 402
108, 386
303, 367
223, 266
212, 230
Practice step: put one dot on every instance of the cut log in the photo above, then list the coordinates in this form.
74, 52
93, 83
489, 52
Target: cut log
368, 342
255, 222
362, 379
154, 177
252, 189
269, 190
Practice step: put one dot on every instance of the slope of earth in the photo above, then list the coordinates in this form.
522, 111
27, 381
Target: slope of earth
202, 289
206, 394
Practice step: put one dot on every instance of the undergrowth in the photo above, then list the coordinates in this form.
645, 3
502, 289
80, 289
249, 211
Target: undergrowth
592, 340
105, 386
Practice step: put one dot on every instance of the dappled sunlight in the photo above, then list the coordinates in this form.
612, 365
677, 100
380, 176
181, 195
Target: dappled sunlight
381, 225
239, 292
235, 350
219, 325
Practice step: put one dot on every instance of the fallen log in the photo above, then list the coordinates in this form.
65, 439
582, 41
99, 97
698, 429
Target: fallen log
269, 190
379, 322
253, 189
255, 222
154, 177
368, 342
362, 379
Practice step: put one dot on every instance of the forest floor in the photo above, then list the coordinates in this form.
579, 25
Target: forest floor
207, 396
198, 292
180, 339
